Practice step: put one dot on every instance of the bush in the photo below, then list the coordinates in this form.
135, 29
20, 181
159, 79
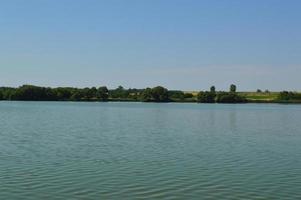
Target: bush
156, 94
188, 95
176, 95
225, 97
287, 96
206, 97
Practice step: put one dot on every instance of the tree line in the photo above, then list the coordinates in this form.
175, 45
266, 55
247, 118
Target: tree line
156, 94
221, 97
287, 96
36, 93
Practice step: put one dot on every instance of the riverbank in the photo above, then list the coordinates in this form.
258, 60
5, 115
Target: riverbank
157, 94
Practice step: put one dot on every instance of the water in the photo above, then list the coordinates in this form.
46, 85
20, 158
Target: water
64, 150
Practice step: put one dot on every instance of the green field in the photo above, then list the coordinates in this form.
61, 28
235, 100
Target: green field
254, 97
260, 96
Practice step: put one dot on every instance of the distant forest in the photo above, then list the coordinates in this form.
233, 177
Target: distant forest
156, 94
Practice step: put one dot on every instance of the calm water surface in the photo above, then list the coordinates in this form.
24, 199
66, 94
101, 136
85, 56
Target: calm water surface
53, 150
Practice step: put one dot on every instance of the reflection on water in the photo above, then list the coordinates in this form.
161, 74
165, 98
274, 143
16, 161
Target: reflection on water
232, 119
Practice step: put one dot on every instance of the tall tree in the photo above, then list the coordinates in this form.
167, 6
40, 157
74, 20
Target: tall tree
146, 95
102, 93
206, 97
233, 88
212, 89
160, 94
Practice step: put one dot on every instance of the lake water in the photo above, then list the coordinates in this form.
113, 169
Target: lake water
65, 150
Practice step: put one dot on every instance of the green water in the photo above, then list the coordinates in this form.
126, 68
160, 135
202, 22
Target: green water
64, 150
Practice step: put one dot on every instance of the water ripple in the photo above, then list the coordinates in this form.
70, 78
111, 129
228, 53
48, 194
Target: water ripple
149, 151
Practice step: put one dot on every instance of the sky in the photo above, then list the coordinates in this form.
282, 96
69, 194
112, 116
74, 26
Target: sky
180, 44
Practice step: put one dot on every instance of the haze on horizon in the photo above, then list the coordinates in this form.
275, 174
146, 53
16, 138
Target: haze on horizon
180, 44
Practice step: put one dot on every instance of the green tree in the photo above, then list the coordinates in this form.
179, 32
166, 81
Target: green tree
88, 93
33, 93
119, 93
93, 93
212, 89
77, 95
289, 96
188, 95
230, 97
156, 94
134, 93
62, 94
160, 94
233, 88
206, 97
176, 95
103, 93
146, 95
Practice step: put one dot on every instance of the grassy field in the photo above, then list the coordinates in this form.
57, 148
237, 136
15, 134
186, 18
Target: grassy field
260, 97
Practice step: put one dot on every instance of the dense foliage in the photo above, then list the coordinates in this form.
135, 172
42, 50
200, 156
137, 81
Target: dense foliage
220, 97
156, 94
232, 88
35, 93
206, 97
230, 97
289, 96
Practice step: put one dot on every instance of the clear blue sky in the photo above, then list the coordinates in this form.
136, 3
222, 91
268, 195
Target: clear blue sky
180, 44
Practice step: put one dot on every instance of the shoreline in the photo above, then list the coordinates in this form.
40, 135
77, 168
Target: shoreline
157, 94
156, 102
